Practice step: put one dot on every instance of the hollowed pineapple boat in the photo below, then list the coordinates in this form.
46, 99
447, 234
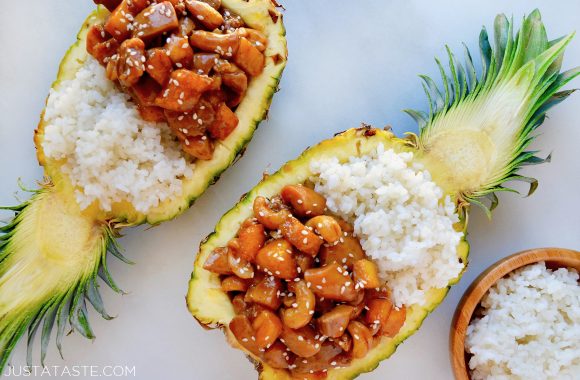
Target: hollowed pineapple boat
143, 76
267, 273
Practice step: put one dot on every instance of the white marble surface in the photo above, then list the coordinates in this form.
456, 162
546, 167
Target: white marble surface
348, 64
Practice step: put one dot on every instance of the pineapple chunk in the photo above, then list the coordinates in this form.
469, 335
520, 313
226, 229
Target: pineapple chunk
330, 282
365, 273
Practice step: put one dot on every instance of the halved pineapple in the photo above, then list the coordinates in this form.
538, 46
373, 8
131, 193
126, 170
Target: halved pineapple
472, 141
52, 252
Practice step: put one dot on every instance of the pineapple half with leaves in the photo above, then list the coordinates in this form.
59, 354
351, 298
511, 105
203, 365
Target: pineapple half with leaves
473, 140
52, 253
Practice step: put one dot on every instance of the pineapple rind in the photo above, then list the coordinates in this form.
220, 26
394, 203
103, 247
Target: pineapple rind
493, 116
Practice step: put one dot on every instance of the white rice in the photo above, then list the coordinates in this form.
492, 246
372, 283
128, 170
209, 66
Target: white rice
530, 328
111, 154
400, 216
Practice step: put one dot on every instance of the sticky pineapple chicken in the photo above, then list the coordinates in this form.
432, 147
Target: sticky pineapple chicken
184, 62
306, 297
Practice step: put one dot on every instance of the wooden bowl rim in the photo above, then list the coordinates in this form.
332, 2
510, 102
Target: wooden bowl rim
559, 257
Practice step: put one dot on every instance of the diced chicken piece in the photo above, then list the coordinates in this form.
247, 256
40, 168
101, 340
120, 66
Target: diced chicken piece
258, 39
151, 113
300, 341
241, 328
131, 63
233, 78
236, 84
240, 266
155, 20
382, 293
183, 124
277, 259
300, 313
361, 339
225, 45
179, 6
120, 21
217, 261
344, 342
323, 360
327, 227
277, 357
100, 44
158, 65
334, 323
203, 63
216, 4
395, 322
205, 14
225, 123
239, 304
330, 282
183, 90
111, 68
268, 213
304, 201
324, 305
232, 21
344, 225
265, 292
145, 91
199, 147
186, 26
365, 273
180, 51
304, 261
300, 237
234, 284
378, 311
346, 252
268, 328
249, 58
109, 4
358, 303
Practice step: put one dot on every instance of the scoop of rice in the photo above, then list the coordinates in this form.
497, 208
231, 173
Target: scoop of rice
400, 216
110, 153
530, 328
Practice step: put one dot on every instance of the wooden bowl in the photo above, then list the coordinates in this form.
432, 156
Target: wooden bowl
554, 258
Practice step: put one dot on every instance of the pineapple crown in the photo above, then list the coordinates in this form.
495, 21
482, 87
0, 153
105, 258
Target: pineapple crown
522, 71
65, 309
